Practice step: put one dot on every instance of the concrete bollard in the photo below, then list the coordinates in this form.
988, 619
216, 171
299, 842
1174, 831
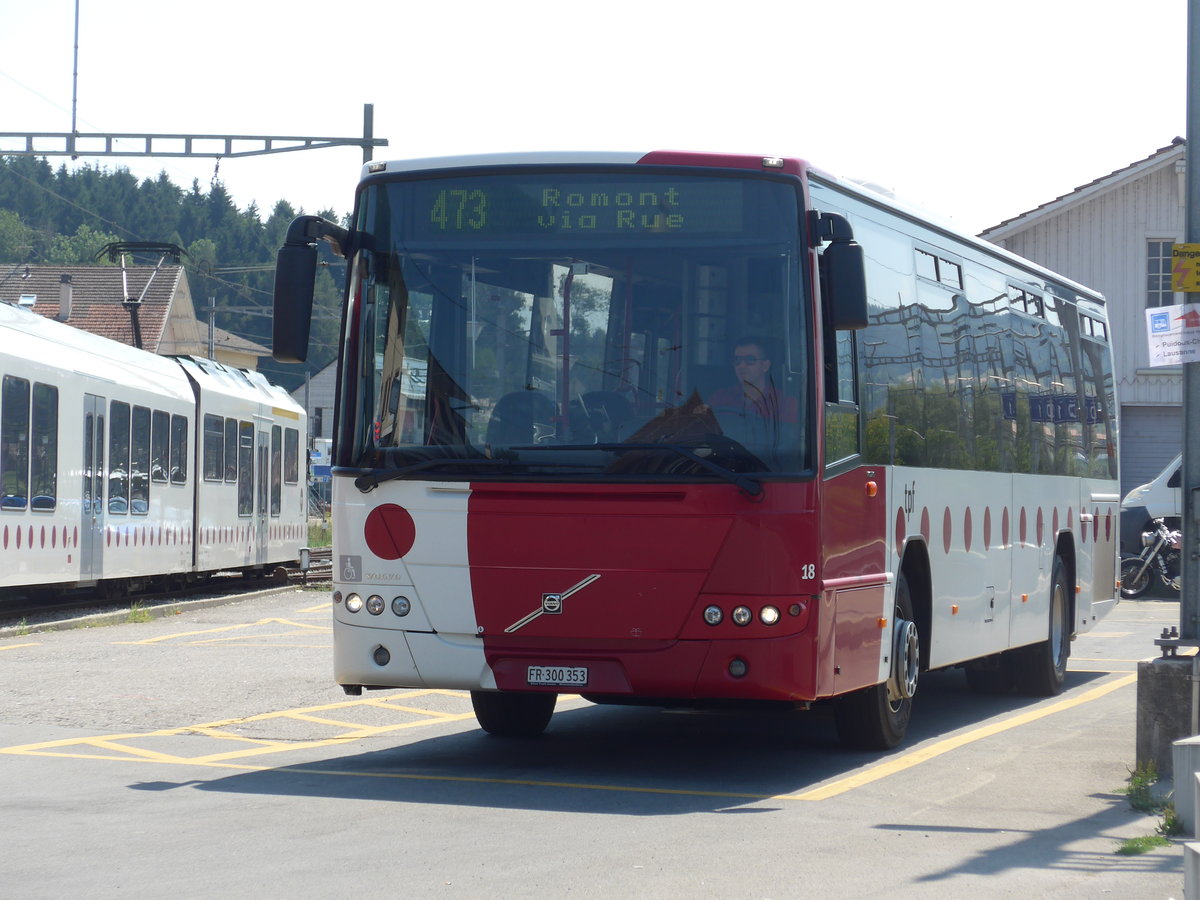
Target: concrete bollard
1164, 711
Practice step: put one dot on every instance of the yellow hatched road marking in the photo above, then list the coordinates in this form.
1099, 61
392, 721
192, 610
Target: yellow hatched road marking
303, 626
834, 788
215, 730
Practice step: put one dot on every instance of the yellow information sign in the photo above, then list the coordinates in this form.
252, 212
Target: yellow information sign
1185, 268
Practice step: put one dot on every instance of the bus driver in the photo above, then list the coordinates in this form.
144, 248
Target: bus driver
755, 392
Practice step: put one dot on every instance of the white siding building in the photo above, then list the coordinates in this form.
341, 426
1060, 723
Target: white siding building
1115, 235
316, 395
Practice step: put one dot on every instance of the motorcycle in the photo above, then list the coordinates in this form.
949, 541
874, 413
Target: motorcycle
1160, 556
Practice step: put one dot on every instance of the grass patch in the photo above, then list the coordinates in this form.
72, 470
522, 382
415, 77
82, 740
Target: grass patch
1142, 797
138, 613
1138, 845
1141, 788
320, 534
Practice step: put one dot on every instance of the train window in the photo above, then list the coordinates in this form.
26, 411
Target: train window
276, 469
214, 448
179, 449
291, 455
43, 478
139, 462
160, 445
246, 469
118, 458
14, 443
231, 430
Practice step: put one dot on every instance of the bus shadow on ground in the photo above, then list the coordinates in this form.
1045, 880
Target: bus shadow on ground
630, 760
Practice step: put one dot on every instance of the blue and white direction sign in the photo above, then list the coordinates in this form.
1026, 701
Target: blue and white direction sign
1174, 334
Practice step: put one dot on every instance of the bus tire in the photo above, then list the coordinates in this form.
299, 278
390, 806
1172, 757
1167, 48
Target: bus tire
871, 718
1041, 669
511, 714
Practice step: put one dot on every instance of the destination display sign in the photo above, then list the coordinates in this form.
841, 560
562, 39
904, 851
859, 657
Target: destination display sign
502, 207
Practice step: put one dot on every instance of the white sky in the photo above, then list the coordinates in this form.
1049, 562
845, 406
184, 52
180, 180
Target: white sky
975, 110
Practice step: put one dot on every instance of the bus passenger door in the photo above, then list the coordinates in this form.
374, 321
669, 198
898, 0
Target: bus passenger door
91, 526
262, 471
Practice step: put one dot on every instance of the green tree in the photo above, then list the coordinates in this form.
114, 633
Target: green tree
17, 240
82, 248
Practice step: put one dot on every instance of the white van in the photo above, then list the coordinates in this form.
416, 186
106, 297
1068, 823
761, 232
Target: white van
1158, 499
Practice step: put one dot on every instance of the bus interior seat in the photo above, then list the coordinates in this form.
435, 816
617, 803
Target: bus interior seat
522, 417
600, 415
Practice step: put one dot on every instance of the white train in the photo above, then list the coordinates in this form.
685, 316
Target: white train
119, 467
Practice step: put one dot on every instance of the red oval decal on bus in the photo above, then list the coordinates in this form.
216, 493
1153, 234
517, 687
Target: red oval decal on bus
389, 531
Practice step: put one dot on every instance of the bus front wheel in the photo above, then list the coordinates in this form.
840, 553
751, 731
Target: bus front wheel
876, 718
511, 714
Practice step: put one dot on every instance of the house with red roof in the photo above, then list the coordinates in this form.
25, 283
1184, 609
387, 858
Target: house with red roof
142, 306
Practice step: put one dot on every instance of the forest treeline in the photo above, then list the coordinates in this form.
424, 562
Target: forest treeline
58, 216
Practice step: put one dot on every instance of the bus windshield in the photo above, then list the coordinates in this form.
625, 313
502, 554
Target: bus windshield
579, 323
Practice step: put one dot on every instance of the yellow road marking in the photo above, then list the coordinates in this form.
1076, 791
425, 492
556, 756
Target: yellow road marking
19, 646
321, 608
261, 747
924, 754
303, 626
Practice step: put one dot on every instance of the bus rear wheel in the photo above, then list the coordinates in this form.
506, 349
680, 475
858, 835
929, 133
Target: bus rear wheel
1042, 668
876, 718
511, 714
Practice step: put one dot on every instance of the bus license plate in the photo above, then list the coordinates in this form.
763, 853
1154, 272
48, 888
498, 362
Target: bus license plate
559, 676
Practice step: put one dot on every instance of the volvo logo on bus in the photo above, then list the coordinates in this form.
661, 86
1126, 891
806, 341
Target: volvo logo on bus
552, 604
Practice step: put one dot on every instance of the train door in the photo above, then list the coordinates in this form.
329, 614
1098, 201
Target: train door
262, 455
91, 530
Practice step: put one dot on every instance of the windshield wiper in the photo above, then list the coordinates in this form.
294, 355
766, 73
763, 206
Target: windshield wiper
368, 481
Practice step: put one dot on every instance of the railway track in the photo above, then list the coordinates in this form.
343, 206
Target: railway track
48, 608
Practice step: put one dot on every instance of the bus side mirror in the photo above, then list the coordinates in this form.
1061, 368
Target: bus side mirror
291, 319
843, 274
295, 281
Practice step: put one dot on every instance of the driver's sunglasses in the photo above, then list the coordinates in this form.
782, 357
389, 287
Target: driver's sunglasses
747, 360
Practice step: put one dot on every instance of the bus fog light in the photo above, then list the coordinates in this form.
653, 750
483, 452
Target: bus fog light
354, 603
768, 615
337, 596
401, 606
742, 615
381, 656
738, 668
375, 605
713, 615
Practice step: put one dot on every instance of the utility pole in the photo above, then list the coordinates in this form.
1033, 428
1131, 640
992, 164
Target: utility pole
1189, 597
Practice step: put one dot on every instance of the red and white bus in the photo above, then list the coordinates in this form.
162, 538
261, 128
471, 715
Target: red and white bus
689, 429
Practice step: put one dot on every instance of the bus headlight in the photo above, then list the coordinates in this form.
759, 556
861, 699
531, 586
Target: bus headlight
402, 606
768, 615
375, 605
354, 603
742, 615
713, 615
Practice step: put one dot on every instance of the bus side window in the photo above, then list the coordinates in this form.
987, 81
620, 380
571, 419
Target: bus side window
841, 396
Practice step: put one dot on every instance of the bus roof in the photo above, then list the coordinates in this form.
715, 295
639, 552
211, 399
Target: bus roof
781, 164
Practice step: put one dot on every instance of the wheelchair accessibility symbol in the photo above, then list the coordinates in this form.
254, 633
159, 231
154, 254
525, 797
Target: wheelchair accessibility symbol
351, 567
